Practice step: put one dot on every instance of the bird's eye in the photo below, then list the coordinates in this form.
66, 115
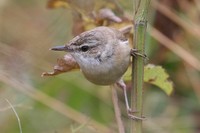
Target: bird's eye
84, 48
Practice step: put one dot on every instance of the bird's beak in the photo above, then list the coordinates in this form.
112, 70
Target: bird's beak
60, 48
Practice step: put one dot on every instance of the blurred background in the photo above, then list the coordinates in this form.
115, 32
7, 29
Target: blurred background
68, 102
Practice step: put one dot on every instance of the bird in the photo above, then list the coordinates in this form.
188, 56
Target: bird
103, 55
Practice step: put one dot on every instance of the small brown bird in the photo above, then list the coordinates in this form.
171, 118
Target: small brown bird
103, 55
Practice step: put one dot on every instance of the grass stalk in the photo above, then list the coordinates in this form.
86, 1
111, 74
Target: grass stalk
138, 64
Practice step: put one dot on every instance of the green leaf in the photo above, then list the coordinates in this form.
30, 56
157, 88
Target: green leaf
157, 75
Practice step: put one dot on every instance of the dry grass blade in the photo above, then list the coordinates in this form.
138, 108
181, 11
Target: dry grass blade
191, 28
18, 119
175, 48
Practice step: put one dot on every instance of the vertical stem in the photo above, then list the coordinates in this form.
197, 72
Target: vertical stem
120, 124
138, 65
137, 77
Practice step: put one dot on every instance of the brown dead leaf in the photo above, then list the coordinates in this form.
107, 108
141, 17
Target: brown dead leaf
108, 14
57, 4
65, 64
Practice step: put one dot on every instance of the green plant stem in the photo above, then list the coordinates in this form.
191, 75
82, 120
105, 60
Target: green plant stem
137, 77
138, 65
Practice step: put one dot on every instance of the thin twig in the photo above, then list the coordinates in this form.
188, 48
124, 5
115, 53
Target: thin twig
117, 110
18, 119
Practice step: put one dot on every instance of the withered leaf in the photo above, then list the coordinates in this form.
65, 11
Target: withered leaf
57, 4
66, 64
108, 14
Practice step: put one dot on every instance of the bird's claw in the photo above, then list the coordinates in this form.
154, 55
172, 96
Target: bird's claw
129, 112
135, 52
136, 117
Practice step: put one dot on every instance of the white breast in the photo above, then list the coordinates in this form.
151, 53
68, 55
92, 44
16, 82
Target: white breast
106, 71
